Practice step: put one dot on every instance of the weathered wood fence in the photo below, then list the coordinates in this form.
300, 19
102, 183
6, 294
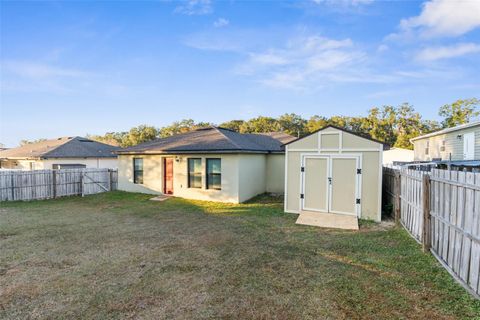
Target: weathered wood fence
441, 210
47, 184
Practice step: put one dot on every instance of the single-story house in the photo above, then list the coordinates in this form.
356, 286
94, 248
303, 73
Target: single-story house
395, 156
210, 163
456, 144
333, 177
61, 153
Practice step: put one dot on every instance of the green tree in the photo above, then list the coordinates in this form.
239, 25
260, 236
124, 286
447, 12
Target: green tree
111, 138
459, 112
293, 124
315, 123
140, 134
260, 125
234, 125
182, 126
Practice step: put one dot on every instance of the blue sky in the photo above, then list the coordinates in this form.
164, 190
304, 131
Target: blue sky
72, 68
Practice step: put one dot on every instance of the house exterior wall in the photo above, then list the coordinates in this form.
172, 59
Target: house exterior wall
252, 175
453, 145
371, 154
397, 154
275, 173
23, 164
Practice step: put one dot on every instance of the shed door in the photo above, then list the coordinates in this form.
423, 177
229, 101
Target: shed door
343, 187
316, 184
469, 146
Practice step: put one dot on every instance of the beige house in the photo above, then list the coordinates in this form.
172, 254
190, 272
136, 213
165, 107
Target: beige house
334, 177
457, 143
61, 153
213, 164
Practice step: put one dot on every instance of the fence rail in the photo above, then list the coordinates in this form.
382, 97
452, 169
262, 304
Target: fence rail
441, 210
47, 184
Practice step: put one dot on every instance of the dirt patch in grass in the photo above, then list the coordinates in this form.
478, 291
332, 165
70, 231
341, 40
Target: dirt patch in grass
119, 255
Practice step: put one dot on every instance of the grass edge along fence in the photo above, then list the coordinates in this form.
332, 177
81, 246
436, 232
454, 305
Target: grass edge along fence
18, 185
441, 210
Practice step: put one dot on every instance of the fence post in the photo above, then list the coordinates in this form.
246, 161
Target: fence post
110, 172
397, 192
54, 183
12, 181
81, 184
426, 234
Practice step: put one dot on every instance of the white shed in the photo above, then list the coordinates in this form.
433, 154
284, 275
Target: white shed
333, 177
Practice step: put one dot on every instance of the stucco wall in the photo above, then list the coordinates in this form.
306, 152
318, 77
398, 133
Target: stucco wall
275, 173
453, 145
351, 144
110, 163
153, 177
252, 175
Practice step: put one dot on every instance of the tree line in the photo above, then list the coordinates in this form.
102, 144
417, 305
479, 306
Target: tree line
394, 125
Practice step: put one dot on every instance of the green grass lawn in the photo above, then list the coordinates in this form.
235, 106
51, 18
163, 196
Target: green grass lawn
119, 255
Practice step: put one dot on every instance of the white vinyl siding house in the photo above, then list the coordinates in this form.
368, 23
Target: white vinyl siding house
456, 144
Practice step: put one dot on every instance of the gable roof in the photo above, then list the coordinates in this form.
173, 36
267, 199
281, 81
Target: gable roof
212, 140
65, 147
385, 146
447, 130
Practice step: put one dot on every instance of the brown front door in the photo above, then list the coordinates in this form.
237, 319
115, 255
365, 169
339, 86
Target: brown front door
168, 176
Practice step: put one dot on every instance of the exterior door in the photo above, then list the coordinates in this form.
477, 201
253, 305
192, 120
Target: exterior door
316, 184
343, 187
469, 146
168, 176
331, 183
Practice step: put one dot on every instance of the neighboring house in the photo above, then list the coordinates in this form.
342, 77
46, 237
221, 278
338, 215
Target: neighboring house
395, 156
61, 153
457, 143
211, 163
334, 177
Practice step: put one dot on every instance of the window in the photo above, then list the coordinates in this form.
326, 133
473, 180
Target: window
194, 173
442, 148
214, 174
427, 147
138, 170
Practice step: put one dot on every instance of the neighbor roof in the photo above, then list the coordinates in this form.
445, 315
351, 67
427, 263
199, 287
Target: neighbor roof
65, 147
213, 140
385, 145
447, 130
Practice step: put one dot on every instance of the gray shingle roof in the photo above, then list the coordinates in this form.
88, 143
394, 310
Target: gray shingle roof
65, 147
213, 140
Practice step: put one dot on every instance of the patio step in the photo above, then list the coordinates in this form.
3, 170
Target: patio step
328, 220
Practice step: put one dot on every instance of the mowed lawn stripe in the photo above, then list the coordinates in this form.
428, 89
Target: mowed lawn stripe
120, 255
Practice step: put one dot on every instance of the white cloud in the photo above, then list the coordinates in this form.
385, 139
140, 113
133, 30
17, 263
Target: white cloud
195, 7
221, 22
441, 18
445, 52
303, 62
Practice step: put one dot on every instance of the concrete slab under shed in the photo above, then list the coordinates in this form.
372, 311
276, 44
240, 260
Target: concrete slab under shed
328, 220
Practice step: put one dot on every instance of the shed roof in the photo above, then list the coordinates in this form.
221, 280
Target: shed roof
64, 147
385, 146
213, 140
447, 130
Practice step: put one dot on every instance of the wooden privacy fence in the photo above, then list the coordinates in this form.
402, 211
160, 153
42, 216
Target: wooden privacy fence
46, 184
441, 210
